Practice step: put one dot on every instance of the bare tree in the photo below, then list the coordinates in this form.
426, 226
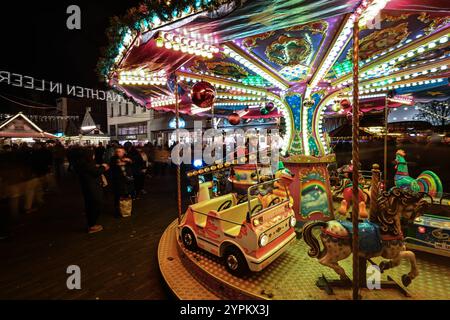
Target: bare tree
435, 112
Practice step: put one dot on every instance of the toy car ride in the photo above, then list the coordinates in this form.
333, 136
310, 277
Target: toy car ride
247, 235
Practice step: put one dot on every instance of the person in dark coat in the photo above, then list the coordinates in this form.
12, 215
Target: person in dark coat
90, 174
137, 167
100, 153
121, 178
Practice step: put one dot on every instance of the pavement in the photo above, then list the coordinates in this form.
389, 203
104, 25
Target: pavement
118, 263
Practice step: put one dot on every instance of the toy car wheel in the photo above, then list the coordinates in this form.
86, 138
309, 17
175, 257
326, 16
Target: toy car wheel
235, 261
188, 239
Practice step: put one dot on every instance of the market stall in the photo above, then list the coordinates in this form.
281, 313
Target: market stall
20, 129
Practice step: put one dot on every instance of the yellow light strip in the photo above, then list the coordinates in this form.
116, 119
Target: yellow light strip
428, 69
176, 42
334, 51
400, 54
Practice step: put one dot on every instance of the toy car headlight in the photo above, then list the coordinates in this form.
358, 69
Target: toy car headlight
263, 240
293, 222
257, 222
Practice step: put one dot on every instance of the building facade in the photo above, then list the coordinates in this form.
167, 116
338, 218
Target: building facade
128, 122
133, 123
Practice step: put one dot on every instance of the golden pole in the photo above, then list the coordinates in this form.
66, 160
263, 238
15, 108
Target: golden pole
355, 154
386, 128
177, 108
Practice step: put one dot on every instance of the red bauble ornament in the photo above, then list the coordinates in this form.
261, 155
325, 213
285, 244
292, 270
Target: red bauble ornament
270, 106
234, 119
203, 94
345, 104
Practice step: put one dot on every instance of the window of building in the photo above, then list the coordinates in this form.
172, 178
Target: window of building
112, 130
133, 129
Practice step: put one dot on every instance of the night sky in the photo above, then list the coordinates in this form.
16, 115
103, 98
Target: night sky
37, 43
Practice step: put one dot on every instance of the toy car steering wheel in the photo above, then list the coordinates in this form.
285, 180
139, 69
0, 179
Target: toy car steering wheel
274, 201
256, 208
224, 206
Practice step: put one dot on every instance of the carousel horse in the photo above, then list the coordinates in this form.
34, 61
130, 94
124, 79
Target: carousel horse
380, 236
427, 181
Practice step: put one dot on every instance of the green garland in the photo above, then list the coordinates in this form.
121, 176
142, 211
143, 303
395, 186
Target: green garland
137, 18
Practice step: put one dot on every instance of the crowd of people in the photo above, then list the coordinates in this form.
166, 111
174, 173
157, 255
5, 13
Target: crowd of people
28, 172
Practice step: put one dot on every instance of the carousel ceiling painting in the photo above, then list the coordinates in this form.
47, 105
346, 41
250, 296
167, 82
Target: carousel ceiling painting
293, 55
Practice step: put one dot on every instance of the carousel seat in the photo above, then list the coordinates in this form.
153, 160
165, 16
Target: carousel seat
369, 235
233, 218
200, 210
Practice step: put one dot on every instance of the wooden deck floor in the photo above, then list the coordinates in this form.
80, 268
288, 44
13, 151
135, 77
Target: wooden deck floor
119, 263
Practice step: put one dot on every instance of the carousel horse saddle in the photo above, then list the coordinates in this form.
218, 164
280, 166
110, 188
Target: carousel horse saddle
369, 236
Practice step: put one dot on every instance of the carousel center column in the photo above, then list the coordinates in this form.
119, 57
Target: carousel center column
308, 160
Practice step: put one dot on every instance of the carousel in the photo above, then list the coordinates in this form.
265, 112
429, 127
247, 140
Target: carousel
253, 232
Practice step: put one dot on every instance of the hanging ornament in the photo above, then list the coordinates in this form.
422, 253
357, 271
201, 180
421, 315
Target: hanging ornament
264, 111
345, 104
234, 119
308, 103
203, 94
267, 108
270, 106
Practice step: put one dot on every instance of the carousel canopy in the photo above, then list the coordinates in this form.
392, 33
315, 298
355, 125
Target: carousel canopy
275, 45
284, 52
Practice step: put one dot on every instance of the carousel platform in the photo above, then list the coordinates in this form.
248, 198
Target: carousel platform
201, 276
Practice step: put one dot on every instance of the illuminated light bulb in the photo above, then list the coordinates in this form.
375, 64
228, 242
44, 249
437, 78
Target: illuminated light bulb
168, 45
443, 39
432, 45
167, 36
421, 50
159, 43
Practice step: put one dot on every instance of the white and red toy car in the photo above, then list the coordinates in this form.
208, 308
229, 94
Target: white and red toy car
249, 235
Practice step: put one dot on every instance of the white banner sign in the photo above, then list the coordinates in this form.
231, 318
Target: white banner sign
31, 83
